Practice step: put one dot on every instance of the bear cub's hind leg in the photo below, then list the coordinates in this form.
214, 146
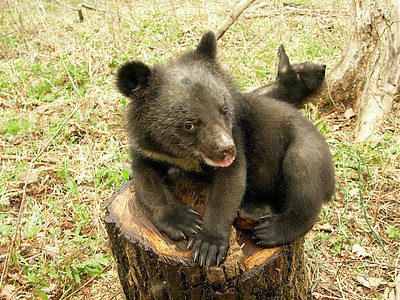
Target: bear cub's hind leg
251, 213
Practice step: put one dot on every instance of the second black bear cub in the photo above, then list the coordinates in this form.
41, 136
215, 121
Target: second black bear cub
261, 158
294, 81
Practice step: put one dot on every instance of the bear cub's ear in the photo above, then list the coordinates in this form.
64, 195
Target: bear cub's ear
208, 45
131, 76
283, 58
284, 67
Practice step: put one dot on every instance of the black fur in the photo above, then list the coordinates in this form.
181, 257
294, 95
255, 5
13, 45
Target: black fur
132, 76
294, 82
262, 158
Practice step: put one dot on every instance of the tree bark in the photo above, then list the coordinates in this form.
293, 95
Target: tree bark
368, 75
150, 266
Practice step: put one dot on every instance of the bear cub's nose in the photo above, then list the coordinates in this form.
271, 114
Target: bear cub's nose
228, 150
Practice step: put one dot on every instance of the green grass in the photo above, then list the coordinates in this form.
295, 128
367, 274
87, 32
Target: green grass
365, 184
50, 64
14, 127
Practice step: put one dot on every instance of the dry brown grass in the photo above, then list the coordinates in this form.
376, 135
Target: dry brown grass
52, 66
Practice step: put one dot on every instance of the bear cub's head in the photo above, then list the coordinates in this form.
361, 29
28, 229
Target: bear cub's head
304, 77
294, 82
182, 112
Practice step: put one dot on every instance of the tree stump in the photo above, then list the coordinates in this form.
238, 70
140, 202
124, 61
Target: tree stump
150, 266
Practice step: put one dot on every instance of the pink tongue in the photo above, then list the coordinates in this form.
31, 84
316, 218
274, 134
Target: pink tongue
226, 163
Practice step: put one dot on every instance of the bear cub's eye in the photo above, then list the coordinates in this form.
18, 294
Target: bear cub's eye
189, 126
224, 110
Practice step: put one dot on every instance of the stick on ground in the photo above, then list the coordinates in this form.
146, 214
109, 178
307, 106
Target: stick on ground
232, 17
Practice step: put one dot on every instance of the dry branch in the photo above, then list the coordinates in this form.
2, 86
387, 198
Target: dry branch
27, 158
91, 7
232, 17
288, 10
80, 13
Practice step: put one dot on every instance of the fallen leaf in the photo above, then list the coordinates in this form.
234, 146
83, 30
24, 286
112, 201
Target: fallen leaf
33, 177
107, 157
6, 292
354, 192
324, 227
349, 113
375, 140
19, 278
372, 283
51, 251
49, 289
360, 251
3, 249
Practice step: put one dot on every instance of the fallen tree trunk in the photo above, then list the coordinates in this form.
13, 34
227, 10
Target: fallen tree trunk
150, 266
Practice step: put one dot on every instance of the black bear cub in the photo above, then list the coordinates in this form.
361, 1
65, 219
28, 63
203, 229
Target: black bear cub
294, 81
265, 163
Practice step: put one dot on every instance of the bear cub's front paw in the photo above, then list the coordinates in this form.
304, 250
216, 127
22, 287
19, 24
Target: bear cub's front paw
208, 249
178, 221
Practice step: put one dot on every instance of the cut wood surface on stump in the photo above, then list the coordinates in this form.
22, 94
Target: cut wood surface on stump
151, 266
